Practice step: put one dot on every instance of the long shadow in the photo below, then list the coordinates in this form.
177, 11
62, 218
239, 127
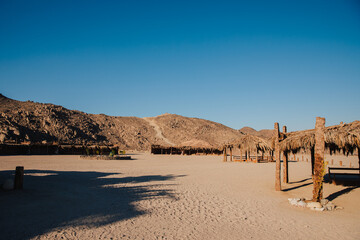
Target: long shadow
304, 180
341, 192
56, 199
296, 187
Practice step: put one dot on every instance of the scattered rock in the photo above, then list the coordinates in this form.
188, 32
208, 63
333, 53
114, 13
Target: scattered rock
301, 204
323, 205
298, 202
318, 209
324, 201
330, 206
314, 205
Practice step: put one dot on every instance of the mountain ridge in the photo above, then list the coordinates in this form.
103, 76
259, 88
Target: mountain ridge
32, 122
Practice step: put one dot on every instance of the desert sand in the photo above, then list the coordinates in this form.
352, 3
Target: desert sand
167, 197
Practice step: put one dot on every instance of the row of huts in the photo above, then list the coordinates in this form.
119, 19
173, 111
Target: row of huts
62, 149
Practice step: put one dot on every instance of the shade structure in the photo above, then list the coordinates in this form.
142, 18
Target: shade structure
251, 143
342, 137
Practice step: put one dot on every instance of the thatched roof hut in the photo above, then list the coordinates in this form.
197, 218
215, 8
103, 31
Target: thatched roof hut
251, 143
345, 137
194, 146
196, 143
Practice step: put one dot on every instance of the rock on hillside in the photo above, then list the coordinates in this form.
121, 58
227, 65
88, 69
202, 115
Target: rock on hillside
179, 129
38, 122
264, 133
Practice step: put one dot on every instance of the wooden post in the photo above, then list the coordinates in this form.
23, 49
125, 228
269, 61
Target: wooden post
225, 157
286, 167
19, 177
285, 162
319, 159
231, 156
277, 157
359, 157
312, 154
240, 155
284, 129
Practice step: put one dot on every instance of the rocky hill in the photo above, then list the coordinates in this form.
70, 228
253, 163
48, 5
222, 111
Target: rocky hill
264, 133
38, 122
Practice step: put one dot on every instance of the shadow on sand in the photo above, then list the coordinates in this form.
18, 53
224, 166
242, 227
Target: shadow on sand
56, 199
296, 187
341, 192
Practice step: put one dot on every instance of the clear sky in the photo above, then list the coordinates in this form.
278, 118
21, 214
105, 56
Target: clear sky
240, 63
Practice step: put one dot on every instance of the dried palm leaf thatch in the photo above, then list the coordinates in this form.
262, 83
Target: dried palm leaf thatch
343, 137
197, 144
250, 143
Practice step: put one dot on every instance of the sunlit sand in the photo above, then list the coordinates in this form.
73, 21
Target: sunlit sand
167, 197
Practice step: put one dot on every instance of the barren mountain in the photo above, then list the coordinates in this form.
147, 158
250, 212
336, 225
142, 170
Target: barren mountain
38, 122
264, 133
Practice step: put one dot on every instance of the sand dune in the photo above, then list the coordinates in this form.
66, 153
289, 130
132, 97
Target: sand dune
167, 197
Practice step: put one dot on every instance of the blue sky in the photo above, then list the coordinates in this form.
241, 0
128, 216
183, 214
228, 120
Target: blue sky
247, 63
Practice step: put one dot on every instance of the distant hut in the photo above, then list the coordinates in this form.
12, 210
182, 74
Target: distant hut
194, 146
249, 144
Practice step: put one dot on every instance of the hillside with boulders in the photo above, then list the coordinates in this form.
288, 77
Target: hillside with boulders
30, 122
264, 133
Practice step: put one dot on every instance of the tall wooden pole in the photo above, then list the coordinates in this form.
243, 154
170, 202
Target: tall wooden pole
319, 159
285, 162
231, 156
277, 157
225, 158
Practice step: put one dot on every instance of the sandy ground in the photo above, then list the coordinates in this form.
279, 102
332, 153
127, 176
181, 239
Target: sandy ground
167, 197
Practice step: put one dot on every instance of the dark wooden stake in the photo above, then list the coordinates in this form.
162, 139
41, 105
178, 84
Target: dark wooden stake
19, 177
225, 158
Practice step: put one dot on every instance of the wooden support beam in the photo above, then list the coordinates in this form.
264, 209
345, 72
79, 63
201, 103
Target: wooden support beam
285, 162
19, 177
285, 167
231, 156
277, 157
318, 176
225, 155
312, 155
